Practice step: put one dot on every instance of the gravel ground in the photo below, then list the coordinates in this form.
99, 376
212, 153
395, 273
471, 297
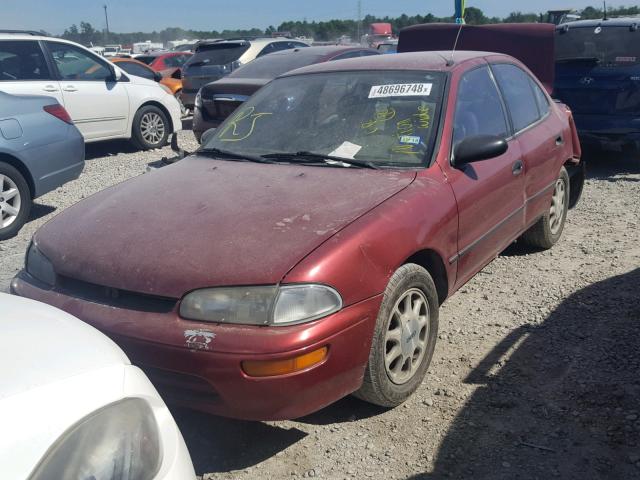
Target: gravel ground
536, 374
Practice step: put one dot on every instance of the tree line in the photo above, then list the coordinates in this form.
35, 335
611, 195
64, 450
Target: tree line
328, 30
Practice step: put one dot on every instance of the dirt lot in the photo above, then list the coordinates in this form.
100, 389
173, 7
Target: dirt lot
536, 373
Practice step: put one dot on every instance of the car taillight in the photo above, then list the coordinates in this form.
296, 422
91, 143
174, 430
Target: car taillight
58, 111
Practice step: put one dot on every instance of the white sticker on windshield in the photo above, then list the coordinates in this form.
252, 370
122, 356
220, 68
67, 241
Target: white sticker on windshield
346, 150
401, 90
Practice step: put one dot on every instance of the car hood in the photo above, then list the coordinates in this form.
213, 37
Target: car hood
41, 345
204, 222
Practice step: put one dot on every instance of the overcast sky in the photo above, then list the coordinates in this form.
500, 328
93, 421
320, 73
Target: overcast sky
147, 15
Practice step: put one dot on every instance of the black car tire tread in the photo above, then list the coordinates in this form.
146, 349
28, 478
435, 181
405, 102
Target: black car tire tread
377, 388
25, 201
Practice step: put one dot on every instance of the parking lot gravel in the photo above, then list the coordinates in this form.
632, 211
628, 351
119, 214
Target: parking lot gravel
536, 373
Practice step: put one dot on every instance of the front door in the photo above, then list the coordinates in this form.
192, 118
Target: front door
489, 193
98, 105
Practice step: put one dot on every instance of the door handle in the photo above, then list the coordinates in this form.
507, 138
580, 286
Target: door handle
50, 88
559, 140
70, 88
517, 168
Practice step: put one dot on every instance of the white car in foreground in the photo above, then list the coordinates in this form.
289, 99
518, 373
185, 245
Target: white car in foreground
104, 102
73, 407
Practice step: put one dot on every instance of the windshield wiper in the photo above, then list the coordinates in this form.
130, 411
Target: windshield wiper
226, 154
311, 157
578, 59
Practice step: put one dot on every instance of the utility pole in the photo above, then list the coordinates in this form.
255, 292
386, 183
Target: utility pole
358, 34
106, 17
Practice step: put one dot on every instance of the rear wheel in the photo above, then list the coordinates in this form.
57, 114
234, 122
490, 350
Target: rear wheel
404, 338
150, 128
15, 201
547, 230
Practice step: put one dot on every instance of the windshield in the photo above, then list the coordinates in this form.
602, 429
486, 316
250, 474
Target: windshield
387, 118
218, 53
609, 46
274, 65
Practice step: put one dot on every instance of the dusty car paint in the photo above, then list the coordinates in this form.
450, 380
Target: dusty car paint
249, 224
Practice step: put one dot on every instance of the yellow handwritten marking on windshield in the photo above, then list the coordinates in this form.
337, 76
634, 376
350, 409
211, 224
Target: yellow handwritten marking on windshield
235, 127
423, 116
405, 127
404, 149
381, 116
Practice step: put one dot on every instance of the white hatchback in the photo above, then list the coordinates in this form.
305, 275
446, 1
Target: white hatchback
72, 405
104, 102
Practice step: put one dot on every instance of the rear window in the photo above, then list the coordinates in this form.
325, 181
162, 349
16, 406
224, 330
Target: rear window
274, 65
607, 46
218, 54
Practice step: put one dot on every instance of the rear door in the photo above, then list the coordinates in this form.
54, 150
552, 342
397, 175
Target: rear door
539, 134
98, 105
489, 193
25, 71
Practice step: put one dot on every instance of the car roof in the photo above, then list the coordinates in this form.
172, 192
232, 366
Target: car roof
160, 53
41, 345
432, 61
610, 22
320, 51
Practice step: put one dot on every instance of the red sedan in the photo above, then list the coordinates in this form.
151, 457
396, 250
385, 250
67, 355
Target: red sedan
303, 253
161, 61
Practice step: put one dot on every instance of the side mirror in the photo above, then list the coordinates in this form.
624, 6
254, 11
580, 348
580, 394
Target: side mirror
116, 73
157, 76
207, 135
480, 147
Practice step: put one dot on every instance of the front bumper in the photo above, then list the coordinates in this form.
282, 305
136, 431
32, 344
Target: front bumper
198, 364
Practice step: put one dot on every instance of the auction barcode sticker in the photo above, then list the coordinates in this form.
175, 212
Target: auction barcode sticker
400, 90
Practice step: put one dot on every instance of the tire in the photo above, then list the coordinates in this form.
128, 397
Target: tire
15, 201
546, 232
390, 386
150, 128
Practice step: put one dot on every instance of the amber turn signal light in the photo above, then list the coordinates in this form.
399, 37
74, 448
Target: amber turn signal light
270, 368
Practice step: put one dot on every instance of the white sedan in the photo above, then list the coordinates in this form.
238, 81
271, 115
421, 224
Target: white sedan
73, 407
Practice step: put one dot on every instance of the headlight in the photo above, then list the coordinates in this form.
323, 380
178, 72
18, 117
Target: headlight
198, 100
39, 266
267, 305
118, 442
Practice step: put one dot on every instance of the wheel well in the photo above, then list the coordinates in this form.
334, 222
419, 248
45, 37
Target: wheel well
24, 171
577, 175
431, 261
161, 107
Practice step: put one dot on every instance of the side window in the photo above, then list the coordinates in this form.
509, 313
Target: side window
298, 44
518, 94
283, 46
478, 107
181, 59
267, 50
22, 60
354, 54
76, 64
172, 62
541, 98
135, 69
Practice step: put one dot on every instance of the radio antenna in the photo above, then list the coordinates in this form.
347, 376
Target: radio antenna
455, 45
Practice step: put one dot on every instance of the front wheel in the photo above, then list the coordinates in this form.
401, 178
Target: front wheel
404, 338
546, 232
15, 201
150, 128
